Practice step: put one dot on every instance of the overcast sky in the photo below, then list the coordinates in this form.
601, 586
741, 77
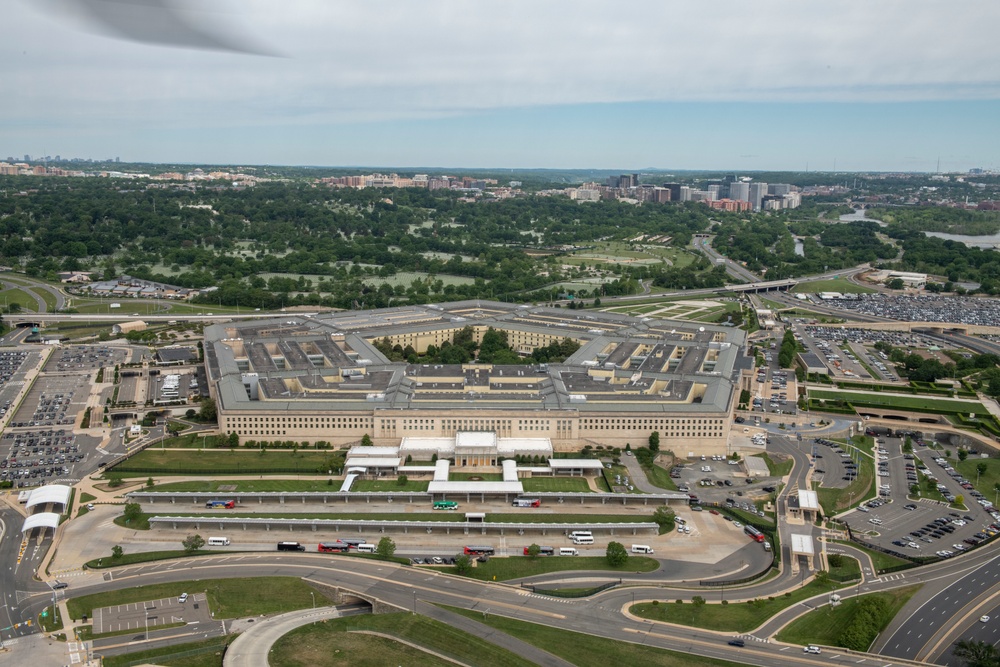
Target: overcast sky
701, 84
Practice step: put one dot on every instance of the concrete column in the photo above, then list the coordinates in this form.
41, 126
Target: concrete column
282, 500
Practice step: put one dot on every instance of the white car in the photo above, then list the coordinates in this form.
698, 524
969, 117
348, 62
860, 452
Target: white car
183, 598
812, 648
737, 524
984, 619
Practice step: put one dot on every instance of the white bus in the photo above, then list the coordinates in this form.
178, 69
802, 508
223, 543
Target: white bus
218, 542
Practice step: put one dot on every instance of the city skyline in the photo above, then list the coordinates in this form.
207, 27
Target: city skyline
685, 86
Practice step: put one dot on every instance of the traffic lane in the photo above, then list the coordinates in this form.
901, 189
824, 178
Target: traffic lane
919, 628
974, 630
124, 644
403, 587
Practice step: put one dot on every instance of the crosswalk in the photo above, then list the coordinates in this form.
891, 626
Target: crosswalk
765, 640
547, 597
889, 577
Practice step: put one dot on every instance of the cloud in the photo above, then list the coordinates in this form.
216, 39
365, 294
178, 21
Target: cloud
350, 62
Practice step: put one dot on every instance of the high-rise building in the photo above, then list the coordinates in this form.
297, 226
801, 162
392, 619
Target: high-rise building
739, 191
684, 194
675, 190
779, 189
757, 192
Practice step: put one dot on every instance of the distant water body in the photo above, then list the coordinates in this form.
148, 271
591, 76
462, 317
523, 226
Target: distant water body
988, 241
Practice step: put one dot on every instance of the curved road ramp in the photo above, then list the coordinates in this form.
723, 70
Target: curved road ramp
250, 649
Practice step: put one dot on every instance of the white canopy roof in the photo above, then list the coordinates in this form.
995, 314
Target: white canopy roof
802, 544
808, 500
50, 493
583, 464
43, 520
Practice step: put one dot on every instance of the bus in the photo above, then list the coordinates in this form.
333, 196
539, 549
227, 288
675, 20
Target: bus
478, 551
332, 547
753, 533
445, 505
290, 546
228, 504
526, 502
542, 551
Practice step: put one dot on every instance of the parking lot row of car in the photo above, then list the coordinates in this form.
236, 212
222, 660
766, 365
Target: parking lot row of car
29, 459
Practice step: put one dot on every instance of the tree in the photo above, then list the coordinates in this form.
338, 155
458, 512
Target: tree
149, 482
132, 512
402, 480
117, 552
960, 500
895, 283
654, 441
463, 564
234, 439
366, 440
192, 543
207, 412
664, 517
981, 468
976, 654
385, 548
534, 550
963, 454
616, 554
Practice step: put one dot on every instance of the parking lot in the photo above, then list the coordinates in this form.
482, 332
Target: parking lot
923, 308
834, 466
920, 526
44, 456
13, 364
140, 615
54, 400
85, 357
717, 479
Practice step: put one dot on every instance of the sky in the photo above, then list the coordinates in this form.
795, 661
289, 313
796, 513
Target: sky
845, 85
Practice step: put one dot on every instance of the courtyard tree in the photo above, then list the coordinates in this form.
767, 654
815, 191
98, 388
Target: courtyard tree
463, 564
207, 412
616, 554
385, 548
665, 518
132, 512
192, 543
654, 441
117, 552
534, 550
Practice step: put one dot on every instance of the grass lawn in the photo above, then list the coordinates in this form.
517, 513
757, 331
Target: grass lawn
880, 560
50, 619
475, 477
735, 617
987, 481
660, 477
210, 658
340, 643
213, 462
591, 651
931, 404
393, 485
228, 598
20, 297
250, 485
87, 497
556, 484
518, 567
841, 285
144, 557
848, 569
776, 469
825, 625
838, 500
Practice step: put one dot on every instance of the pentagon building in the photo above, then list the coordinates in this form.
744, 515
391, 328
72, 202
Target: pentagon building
320, 377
